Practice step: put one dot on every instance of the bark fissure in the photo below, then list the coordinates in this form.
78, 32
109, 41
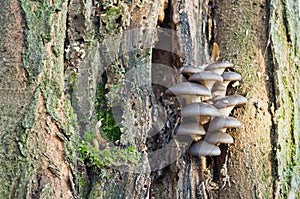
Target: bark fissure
272, 108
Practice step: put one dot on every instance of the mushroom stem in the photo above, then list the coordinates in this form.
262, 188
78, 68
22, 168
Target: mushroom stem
203, 166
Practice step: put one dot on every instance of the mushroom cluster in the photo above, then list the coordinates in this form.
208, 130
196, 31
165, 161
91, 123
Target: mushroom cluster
205, 115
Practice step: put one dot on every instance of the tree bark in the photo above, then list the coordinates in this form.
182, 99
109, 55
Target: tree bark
56, 55
37, 132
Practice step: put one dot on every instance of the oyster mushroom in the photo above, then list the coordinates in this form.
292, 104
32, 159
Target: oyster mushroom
190, 70
201, 111
218, 67
218, 137
230, 76
222, 123
226, 104
203, 148
219, 88
190, 91
190, 128
206, 78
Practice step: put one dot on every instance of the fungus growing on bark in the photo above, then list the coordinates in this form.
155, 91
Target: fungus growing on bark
201, 111
203, 148
230, 76
226, 104
190, 70
190, 128
222, 123
216, 137
190, 91
214, 109
207, 78
218, 67
219, 88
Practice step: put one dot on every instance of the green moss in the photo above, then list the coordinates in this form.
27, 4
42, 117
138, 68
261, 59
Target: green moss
38, 22
111, 18
109, 128
100, 159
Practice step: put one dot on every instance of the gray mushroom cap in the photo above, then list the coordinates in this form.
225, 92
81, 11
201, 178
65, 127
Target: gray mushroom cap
218, 137
207, 78
218, 90
188, 88
222, 122
189, 70
202, 148
199, 109
218, 67
231, 76
190, 128
226, 104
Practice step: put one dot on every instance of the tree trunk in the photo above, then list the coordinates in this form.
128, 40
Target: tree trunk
67, 64
37, 133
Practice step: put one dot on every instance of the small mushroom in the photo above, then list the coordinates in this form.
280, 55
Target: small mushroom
218, 67
190, 70
190, 91
222, 122
226, 104
219, 88
202, 148
202, 111
218, 137
190, 128
230, 76
206, 78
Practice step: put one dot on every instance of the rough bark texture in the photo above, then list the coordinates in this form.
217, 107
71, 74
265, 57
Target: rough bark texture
285, 46
36, 141
50, 74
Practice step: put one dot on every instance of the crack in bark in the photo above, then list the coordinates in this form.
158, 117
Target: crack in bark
272, 105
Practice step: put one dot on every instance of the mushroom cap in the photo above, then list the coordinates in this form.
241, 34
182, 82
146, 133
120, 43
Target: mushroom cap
190, 128
190, 70
202, 148
218, 137
199, 109
218, 89
188, 88
231, 100
218, 65
221, 122
231, 76
205, 76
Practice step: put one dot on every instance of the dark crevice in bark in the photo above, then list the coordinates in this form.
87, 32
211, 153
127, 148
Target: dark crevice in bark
211, 29
66, 41
285, 21
271, 70
164, 180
